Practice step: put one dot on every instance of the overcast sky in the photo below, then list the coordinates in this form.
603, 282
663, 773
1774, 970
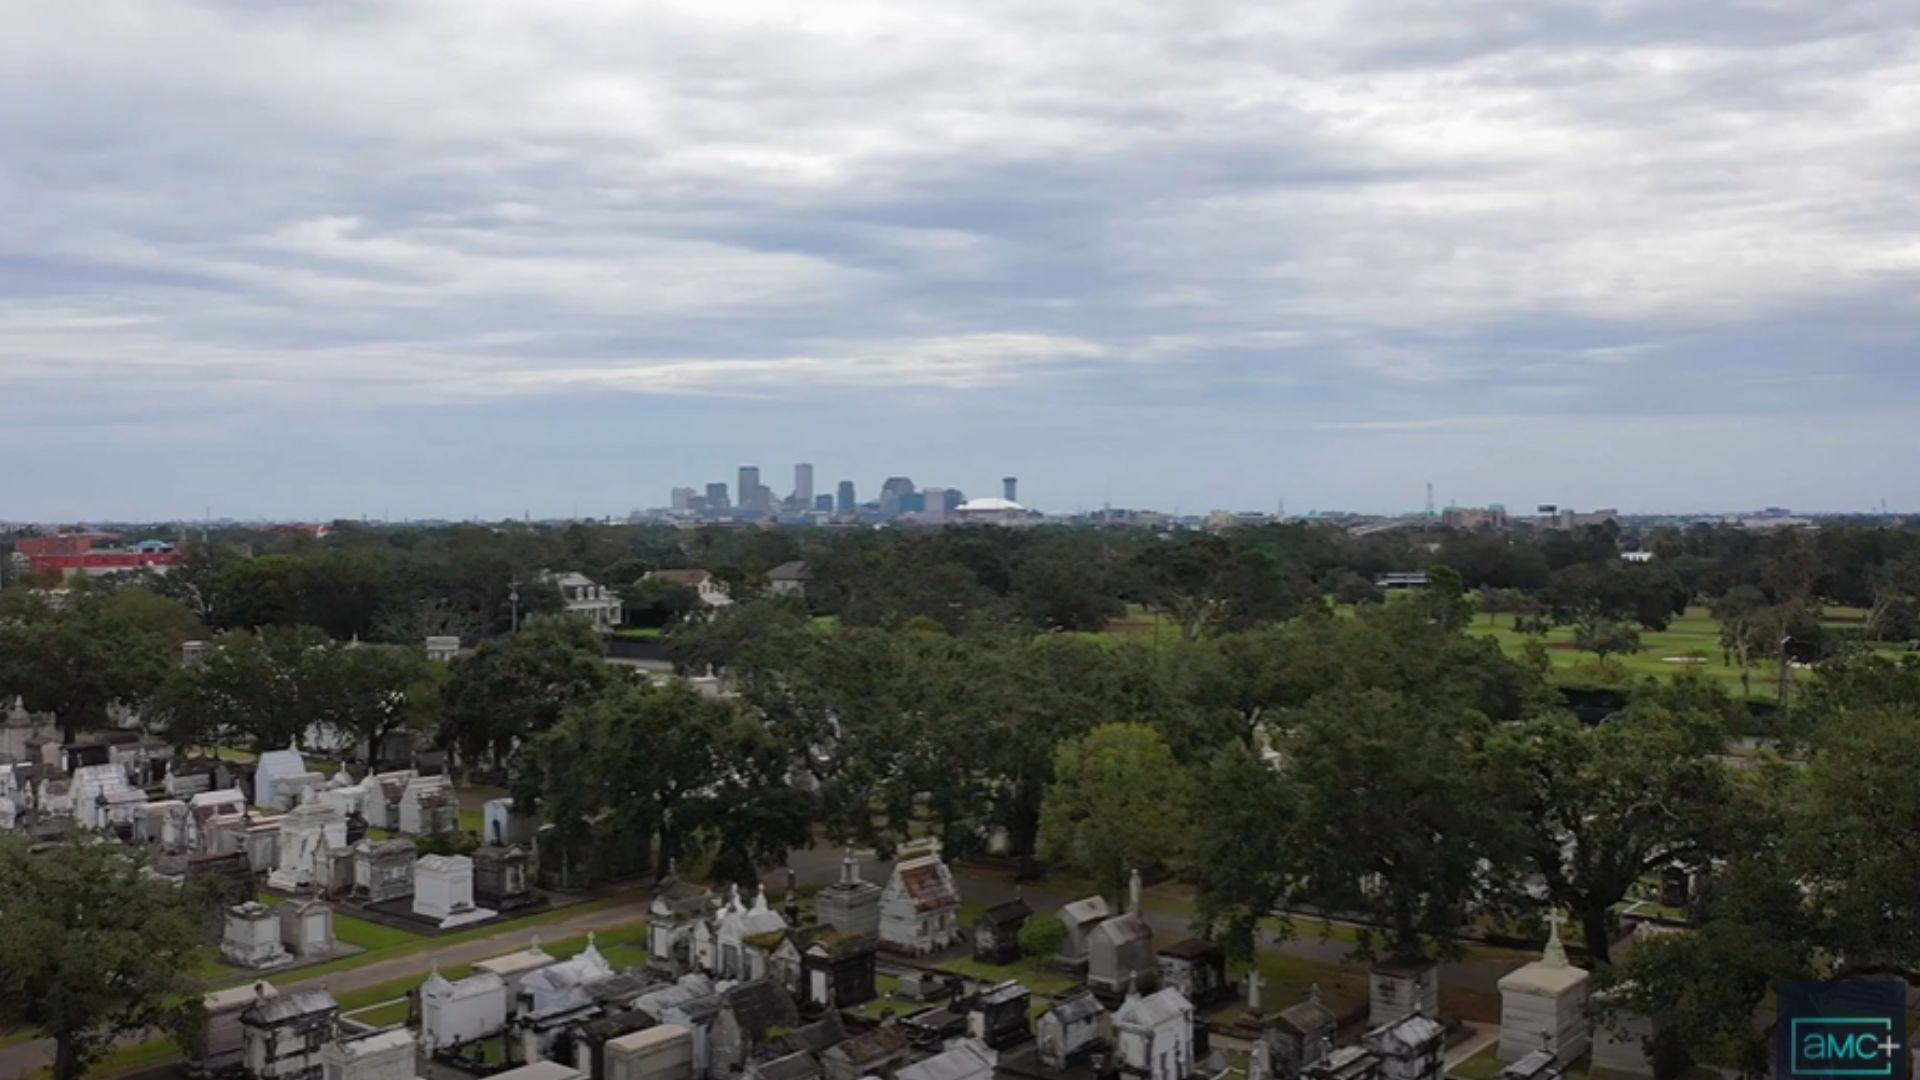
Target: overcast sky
484, 257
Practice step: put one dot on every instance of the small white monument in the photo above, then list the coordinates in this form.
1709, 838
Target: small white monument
443, 891
452, 1013
252, 937
305, 833
1543, 1006
429, 805
274, 766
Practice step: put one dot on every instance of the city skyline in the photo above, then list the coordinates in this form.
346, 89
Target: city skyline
303, 261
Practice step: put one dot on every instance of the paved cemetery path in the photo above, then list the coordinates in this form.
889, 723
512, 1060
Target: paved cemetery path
22, 1058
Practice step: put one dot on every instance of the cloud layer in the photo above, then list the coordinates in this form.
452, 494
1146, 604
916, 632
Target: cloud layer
1694, 221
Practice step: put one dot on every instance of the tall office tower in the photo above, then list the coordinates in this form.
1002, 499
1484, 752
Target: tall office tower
717, 498
823, 503
936, 505
803, 486
682, 498
748, 489
845, 503
1008, 485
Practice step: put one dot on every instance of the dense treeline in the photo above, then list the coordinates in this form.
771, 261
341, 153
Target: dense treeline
1377, 759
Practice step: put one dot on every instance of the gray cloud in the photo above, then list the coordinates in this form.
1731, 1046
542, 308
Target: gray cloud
1371, 211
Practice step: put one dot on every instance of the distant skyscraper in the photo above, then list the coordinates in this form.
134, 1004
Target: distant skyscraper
749, 489
935, 504
895, 494
682, 496
1009, 485
717, 497
823, 503
803, 485
845, 503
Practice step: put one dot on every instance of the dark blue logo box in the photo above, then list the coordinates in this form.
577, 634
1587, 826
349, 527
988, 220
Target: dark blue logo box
1841, 1029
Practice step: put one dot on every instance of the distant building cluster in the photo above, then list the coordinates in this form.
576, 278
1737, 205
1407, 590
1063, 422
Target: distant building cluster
898, 500
90, 554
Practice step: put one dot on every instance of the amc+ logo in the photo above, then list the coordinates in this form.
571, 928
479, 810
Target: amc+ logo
1841, 1029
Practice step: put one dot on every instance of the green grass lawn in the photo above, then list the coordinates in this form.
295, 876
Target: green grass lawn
1693, 638
622, 945
370, 935
414, 943
1037, 977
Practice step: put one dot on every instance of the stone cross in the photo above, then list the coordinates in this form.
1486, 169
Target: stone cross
1254, 985
1555, 954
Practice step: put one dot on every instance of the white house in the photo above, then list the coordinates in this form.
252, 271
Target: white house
711, 592
581, 595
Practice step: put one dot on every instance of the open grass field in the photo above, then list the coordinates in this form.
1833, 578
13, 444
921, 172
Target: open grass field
1691, 643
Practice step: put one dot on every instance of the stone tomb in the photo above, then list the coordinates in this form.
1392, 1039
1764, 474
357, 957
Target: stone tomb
383, 871
306, 832
306, 927
500, 879
386, 1054
1543, 1006
443, 891
429, 805
850, 905
252, 937
1401, 988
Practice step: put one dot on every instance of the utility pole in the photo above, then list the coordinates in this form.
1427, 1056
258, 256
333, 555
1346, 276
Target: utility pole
513, 598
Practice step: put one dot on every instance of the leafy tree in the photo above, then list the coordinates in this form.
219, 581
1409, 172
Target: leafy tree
1740, 614
1042, 936
514, 687
376, 691
1703, 988
1058, 591
79, 661
1118, 800
1241, 846
1349, 588
1202, 583
92, 949
657, 603
1603, 637
1401, 817
666, 763
262, 690
1854, 842
1614, 802
1444, 601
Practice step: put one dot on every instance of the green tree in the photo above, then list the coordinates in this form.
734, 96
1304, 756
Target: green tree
1041, 937
1204, 583
92, 949
1611, 803
262, 690
1403, 817
1241, 847
1119, 800
687, 772
1604, 637
514, 687
79, 661
374, 691
1739, 612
